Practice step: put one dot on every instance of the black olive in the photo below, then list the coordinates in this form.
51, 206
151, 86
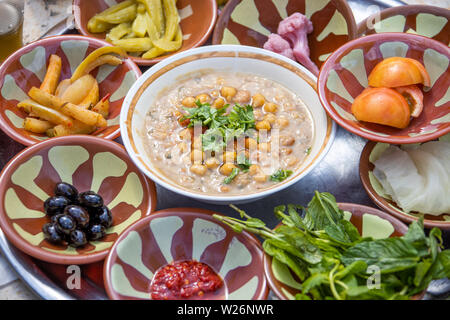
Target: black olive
80, 215
96, 231
51, 233
104, 217
54, 218
55, 205
66, 190
77, 238
90, 199
65, 224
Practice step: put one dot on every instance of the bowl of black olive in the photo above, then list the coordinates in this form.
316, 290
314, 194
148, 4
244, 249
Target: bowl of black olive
66, 200
75, 217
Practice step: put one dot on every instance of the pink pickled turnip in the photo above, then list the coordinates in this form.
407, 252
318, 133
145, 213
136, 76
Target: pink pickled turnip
295, 29
277, 44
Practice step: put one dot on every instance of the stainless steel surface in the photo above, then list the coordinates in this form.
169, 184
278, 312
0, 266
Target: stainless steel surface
36, 280
337, 173
364, 8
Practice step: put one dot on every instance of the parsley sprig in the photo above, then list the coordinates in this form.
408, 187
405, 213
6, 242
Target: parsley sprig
280, 175
221, 128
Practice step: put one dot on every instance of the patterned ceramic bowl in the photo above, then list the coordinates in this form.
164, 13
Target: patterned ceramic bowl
379, 197
370, 222
344, 76
223, 58
428, 21
249, 22
184, 234
87, 162
197, 22
26, 68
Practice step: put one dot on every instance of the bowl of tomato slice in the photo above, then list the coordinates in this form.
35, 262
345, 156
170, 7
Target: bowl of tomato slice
184, 254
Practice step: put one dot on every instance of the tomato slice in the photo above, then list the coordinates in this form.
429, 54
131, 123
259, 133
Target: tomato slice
414, 98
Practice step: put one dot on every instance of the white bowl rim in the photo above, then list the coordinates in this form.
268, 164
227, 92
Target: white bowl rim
205, 197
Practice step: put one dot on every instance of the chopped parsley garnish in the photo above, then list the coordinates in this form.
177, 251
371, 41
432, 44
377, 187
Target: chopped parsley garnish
280, 175
221, 128
308, 150
232, 175
243, 162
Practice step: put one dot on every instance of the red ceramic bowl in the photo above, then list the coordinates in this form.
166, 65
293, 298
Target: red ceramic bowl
89, 163
429, 21
372, 187
26, 68
250, 22
369, 222
197, 22
184, 234
344, 76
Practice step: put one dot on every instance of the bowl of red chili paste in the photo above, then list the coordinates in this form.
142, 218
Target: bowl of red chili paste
184, 254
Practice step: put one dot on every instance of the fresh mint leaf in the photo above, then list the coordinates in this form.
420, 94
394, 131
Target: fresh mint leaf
390, 255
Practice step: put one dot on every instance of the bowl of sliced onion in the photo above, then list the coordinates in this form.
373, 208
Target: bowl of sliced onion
409, 181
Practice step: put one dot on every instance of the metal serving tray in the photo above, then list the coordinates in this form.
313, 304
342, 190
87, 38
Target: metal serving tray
337, 173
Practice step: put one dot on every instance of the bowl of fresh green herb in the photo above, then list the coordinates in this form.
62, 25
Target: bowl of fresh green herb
346, 251
226, 124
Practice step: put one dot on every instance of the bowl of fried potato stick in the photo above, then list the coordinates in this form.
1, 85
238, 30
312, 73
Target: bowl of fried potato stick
64, 85
148, 30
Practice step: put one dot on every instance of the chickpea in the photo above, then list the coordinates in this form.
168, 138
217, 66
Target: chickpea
197, 156
260, 177
270, 107
214, 93
197, 143
258, 114
227, 168
224, 189
263, 125
212, 163
264, 147
185, 134
254, 169
177, 113
258, 100
282, 123
242, 96
291, 160
285, 151
287, 140
218, 103
199, 169
188, 102
251, 143
203, 98
270, 117
228, 92
229, 156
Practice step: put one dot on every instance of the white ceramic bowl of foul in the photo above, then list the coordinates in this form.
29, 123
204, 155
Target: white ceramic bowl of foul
223, 58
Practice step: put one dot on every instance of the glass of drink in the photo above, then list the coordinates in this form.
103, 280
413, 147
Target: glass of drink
11, 23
